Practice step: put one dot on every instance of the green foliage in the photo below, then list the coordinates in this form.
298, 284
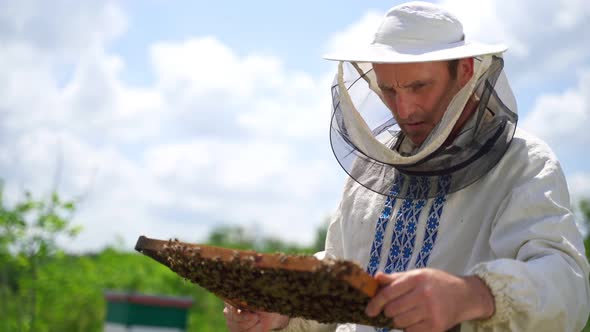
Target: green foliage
44, 289
236, 237
320, 236
29, 231
70, 289
70, 292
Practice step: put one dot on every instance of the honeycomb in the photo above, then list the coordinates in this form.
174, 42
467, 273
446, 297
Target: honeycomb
327, 291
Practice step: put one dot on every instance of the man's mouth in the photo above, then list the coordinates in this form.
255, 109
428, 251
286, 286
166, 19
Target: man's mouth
414, 125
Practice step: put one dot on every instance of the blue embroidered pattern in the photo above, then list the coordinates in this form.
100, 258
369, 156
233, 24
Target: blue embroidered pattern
404, 233
382, 226
444, 183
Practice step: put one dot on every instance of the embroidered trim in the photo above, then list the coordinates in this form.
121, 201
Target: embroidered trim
444, 183
382, 226
404, 233
406, 221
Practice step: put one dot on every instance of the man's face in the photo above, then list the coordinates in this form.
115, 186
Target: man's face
417, 94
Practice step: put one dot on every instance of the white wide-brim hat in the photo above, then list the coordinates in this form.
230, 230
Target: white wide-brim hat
367, 139
417, 32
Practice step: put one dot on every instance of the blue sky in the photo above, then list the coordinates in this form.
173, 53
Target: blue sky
295, 31
168, 118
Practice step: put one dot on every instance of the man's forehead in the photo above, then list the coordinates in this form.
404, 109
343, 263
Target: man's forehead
409, 73
411, 65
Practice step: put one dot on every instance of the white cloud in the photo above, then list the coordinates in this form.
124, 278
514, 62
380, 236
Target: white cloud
561, 118
246, 181
571, 13
545, 39
217, 136
229, 165
60, 27
197, 67
202, 79
301, 111
103, 108
579, 186
360, 32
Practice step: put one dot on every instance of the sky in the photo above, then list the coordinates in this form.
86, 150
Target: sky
171, 118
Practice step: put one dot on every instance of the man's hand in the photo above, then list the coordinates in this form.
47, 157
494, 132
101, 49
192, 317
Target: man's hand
238, 320
430, 300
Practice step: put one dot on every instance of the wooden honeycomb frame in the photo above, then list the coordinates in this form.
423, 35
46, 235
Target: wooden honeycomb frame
328, 291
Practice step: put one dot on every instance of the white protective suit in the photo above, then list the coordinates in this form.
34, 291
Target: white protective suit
513, 228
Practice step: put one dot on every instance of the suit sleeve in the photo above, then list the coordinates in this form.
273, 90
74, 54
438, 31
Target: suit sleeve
539, 278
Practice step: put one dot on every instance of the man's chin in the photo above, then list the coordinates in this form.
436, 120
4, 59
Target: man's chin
416, 140
416, 136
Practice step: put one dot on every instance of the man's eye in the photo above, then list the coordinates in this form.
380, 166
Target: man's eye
388, 91
417, 87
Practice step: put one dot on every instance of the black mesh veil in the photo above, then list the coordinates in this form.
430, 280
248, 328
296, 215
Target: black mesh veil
477, 148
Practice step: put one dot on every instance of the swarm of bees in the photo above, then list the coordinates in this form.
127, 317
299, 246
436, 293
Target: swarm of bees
328, 291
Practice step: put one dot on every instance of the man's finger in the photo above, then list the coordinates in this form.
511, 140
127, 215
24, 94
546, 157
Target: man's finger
398, 285
402, 303
409, 318
386, 278
422, 326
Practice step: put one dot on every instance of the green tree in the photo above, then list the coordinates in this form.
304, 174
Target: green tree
319, 242
29, 231
45, 289
234, 237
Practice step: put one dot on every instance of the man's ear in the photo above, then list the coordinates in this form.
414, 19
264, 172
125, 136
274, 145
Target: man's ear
465, 70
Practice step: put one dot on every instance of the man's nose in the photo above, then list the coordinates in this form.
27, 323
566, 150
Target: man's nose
404, 106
